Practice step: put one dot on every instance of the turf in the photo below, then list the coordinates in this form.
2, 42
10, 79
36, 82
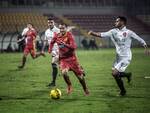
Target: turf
25, 91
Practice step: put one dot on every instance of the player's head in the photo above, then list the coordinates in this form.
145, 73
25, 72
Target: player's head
50, 23
63, 28
29, 25
120, 21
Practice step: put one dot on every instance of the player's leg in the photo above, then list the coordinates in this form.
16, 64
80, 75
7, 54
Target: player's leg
35, 55
128, 75
25, 53
54, 70
123, 65
119, 71
83, 83
67, 80
84, 74
23, 61
78, 71
119, 81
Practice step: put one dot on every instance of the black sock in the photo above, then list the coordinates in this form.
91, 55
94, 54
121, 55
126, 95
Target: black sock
123, 74
120, 83
54, 72
23, 61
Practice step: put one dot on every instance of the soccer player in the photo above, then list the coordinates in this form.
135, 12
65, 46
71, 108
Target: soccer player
67, 57
29, 34
49, 34
122, 38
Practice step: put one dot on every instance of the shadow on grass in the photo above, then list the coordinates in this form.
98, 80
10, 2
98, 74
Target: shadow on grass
29, 95
17, 69
36, 95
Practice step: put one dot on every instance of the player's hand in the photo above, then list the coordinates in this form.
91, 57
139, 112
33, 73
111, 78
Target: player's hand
42, 52
49, 50
69, 28
147, 52
90, 32
61, 45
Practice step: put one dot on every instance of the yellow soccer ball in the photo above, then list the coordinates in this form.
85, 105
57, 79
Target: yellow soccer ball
55, 93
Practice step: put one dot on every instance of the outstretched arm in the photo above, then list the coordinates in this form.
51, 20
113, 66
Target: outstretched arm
97, 34
135, 36
107, 34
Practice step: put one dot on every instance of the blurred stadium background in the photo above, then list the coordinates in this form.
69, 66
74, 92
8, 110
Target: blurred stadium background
97, 15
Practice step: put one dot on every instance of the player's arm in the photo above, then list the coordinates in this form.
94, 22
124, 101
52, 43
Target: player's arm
44, 45
96, 34
34, 42
107, 34
23, 36
21, 39
70, 28
146, 51
53, 41
72, 44
135, 36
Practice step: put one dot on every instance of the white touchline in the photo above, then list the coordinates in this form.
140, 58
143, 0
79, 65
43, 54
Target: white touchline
147, 77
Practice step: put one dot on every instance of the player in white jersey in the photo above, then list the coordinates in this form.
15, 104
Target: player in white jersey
23, 34
122, 38
49, 34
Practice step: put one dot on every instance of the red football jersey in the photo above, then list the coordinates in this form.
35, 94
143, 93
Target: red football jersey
30, 37
66, 44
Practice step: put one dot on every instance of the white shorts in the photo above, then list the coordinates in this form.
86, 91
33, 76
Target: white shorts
121, 63
55, 56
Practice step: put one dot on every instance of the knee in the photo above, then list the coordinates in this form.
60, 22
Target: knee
54, 65
33, 56
54, 59
64, 72
80, 78
24, 56
115, 74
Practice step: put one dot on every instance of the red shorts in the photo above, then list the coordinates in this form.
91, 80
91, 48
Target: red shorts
71, 64
30, 50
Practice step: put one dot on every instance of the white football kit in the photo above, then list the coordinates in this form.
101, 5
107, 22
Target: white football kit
49, 34
122, 40
24, 31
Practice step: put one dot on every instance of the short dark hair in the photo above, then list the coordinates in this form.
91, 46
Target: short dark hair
50, 19
30, 24
122, 18
62, 23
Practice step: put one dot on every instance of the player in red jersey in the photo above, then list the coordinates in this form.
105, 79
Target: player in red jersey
30, 36
67, 57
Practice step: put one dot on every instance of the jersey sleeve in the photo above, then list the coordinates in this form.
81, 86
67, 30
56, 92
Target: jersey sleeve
72, 44
24, 31
45, 36
107, 34
52, 43
135, 36
34, 33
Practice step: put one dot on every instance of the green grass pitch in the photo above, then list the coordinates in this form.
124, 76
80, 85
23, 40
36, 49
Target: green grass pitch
25, 91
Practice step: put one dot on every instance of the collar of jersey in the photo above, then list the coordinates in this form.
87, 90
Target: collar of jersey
123, 29
53, 28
